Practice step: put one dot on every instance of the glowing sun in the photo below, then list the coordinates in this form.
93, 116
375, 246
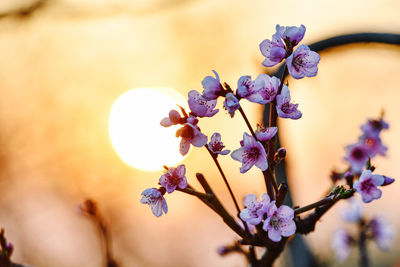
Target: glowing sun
135, 130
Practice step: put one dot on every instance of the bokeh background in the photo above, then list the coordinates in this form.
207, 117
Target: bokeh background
63, 64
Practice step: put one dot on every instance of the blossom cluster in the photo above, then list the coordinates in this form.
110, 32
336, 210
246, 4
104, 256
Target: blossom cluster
277, 221
359, 156
173, 178
369, 145
267, 219
377, 229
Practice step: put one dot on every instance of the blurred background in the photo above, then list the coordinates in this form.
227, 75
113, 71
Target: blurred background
65, 62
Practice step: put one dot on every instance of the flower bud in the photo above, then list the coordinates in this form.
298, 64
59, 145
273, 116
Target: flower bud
280, 155
387, 180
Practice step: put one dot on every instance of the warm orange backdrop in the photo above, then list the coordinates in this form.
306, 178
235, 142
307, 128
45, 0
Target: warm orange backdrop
62, 68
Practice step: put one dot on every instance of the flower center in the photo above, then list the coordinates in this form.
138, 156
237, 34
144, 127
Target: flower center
185, 132
217, 146
275, 222
367, 185
252, 153
287, 107
358, 153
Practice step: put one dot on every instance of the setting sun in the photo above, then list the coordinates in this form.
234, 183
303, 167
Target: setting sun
135, 130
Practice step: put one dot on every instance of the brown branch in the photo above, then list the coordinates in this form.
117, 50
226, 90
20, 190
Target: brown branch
24, 12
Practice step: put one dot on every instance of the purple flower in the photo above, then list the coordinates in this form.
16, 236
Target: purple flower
383, 232
173, 118
357, 156
367, 186
352, 213
245, 86
264, 90
284, 108
274, 51
216, 146
173, 178
154, 198
291, 34
251, 153
200, 106
373, 128
264, 134
212, 87
279, 222
341, 244
303, 62
190, 135
231, 103
373, 145
254, 212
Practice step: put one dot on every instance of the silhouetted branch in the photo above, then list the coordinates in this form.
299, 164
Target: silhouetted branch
24, 12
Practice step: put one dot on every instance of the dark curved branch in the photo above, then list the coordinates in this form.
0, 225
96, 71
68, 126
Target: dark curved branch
24, 12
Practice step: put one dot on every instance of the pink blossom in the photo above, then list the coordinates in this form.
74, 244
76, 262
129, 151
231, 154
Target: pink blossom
373, 145
200, 106
374, 127
173, 118
173, 178
212, 87
216, 146
383, 232
251, 153
264, 90
245, 86
231, 103
279, 222
291, 34
284, 108
357, 156
273, 50
254, 212
190, 135
353, 212
154, 198
303, 62
341, 244
367, 186
264, 134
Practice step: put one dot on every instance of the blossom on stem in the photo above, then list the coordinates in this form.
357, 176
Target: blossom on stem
353, 212
216, 146
357, 156
190, 135
382, 232
264, 134
245, 86
303, 62
154, 198
284, 108
279, 222
373, 145
251, 153
173, 118
231, 103
373, 128
173, 178
341, 244
273, 50
200, 106
264, 90
291, 34
212, 87
367, 186
254, 212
